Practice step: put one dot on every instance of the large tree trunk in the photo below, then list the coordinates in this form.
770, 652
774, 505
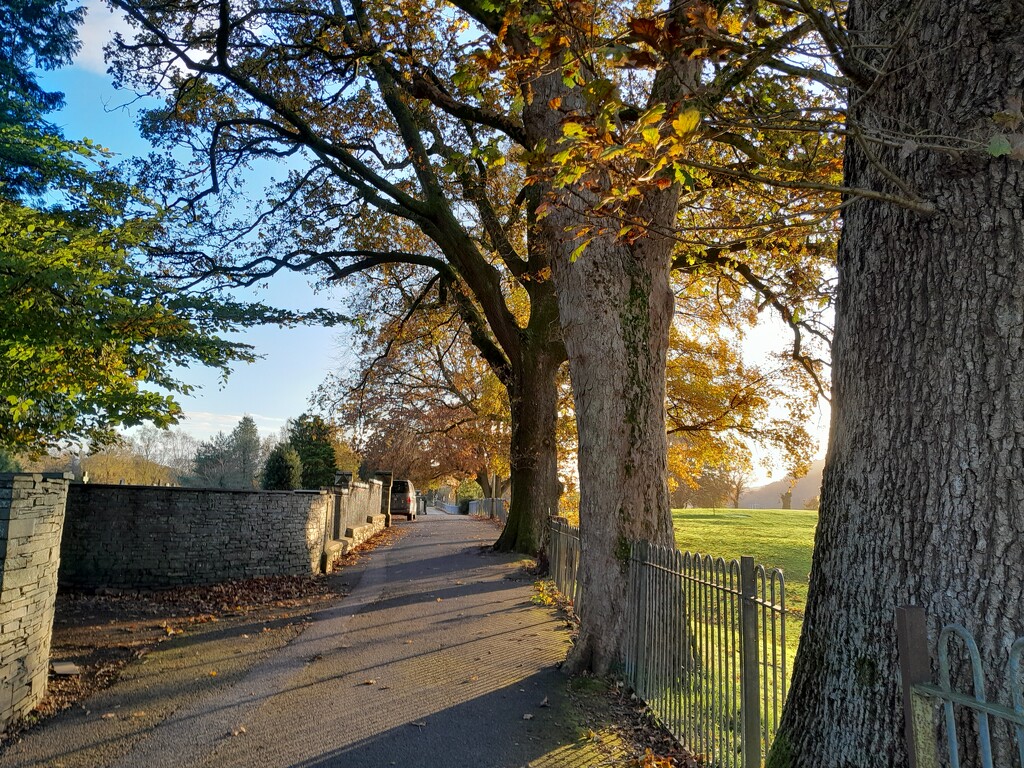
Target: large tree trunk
533, 455
923, 486
616, 307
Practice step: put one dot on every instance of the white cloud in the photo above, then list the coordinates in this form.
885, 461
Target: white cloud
203, 425
98, 29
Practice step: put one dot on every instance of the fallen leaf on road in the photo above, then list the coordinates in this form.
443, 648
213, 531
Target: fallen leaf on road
213, 673
472, 679
368, 682
544, 703
140, 713
439, 599
108, 716
419, 725
527, 716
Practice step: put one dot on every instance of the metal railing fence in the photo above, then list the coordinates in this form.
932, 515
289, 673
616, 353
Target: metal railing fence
973, 729
564, 557
705, 645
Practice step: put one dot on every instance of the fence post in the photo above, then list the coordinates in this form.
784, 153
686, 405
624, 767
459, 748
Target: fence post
630, 645
916, 667
553, 542
750, 678
560, 532
642, 647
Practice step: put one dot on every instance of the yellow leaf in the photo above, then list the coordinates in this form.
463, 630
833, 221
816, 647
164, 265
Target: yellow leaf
651, 115
611, 152
733, 25
686, 122
651, 135
579, 249
574, 130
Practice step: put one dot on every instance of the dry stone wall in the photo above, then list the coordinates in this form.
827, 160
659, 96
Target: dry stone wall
31, 516
149, 537
356, 503
356, 518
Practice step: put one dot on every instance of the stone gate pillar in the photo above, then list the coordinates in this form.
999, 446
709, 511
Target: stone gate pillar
31, 521
386, 479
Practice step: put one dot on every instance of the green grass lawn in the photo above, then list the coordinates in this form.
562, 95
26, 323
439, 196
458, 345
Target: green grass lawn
776, 538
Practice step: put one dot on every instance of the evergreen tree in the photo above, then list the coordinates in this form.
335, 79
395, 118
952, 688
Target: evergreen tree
34, 35
8, 463
245, 446
230, 461
283, 470
314, 440
213, 462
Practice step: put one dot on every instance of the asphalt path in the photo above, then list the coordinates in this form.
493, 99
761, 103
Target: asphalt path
437, 658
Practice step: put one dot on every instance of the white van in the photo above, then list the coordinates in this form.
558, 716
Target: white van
403, 499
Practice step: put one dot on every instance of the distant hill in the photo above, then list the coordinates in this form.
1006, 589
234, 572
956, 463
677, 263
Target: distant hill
770, 496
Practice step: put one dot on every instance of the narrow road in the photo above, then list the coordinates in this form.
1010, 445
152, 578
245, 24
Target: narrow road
437, 658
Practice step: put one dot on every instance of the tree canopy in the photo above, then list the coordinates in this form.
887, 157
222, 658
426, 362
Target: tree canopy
91, 340
34, 35
484, 143
315, 440
283, 470
421, 403
234, 460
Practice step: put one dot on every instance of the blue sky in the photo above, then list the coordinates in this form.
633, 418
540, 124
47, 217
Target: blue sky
295, 360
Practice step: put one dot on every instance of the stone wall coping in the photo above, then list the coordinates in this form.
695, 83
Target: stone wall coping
202, 489
359, 484
8, 476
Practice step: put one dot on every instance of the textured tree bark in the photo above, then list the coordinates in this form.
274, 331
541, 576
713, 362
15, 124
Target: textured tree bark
924, 479
529, 370
615, 306
533, 454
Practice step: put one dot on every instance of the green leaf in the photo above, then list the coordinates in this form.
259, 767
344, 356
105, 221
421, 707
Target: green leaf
574, 130
651, 115
999, 145
685, 178
579, 249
